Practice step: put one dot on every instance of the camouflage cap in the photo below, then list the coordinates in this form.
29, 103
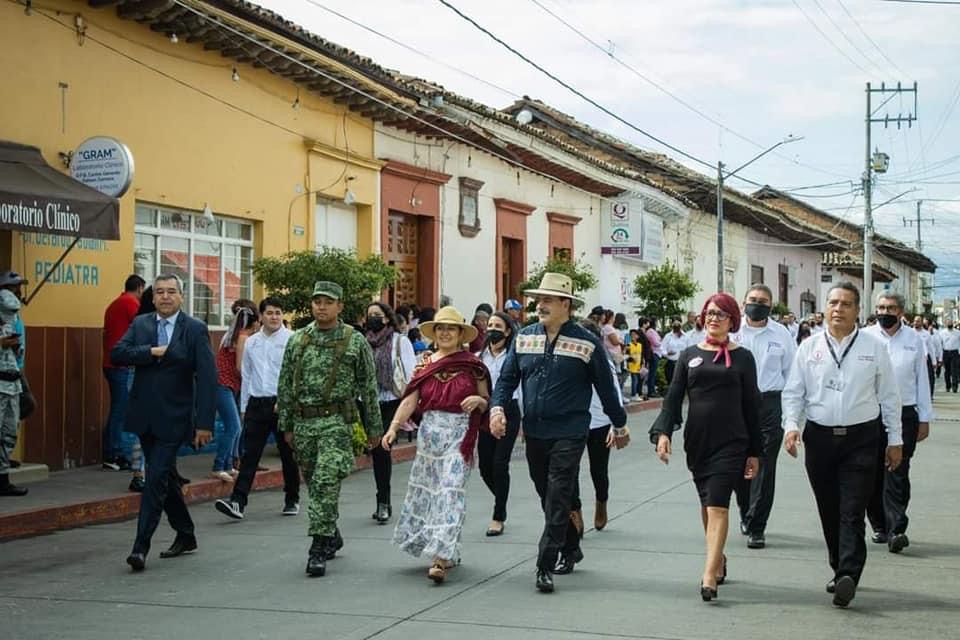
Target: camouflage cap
329, 289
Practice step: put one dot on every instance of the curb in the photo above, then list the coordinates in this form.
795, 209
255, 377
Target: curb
32, 522
645, 405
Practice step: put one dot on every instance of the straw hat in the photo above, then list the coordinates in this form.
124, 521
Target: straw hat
554, 284
449, 315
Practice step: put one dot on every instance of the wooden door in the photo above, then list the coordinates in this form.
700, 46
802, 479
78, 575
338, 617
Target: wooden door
402, 242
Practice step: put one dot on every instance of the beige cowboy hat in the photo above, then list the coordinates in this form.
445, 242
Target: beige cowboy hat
554, 284
449, 315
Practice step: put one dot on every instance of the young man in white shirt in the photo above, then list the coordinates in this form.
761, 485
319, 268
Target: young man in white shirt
816, 325
260, 371
790, 322
843, 381
673, 345
950, 338
887, 510
773, 349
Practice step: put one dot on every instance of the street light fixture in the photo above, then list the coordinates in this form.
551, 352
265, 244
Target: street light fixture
721, 176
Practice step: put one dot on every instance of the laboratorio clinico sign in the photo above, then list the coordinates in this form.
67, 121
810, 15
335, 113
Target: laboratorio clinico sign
103, 163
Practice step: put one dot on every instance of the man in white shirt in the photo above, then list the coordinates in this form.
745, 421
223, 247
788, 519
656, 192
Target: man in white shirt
260, 371
790, 322
936, 343
887, 510
816, 325
773, 349
843, 381
696, 335
951, 356
673, 344
928, 348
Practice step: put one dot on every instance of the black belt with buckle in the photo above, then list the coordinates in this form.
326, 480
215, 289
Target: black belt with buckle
844, 430
325, 411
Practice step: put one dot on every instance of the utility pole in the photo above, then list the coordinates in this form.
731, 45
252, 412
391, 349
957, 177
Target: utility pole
919, 221
881, 160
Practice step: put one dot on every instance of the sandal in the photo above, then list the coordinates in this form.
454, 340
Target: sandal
437, 572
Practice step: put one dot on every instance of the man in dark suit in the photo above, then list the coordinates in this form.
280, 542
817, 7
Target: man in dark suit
172, 402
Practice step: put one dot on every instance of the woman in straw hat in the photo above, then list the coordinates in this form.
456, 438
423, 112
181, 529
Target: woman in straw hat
722, 438
450, 391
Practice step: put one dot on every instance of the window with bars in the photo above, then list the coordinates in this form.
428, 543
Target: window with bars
213, 258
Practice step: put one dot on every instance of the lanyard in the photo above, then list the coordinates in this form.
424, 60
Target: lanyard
843, 356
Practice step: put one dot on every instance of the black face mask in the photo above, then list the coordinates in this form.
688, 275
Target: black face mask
757, 312
495, 336
375, 324
887, 320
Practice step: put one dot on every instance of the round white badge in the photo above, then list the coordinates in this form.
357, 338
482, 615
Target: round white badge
696, 362
103, 163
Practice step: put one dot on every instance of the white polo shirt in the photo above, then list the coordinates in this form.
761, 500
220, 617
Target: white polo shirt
695, 336
673, 343
950, 339
773, 349
909, 367
936, 346
858, 389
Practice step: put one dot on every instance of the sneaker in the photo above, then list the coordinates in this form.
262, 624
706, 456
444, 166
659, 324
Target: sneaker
110, 464
291, 508
229, 508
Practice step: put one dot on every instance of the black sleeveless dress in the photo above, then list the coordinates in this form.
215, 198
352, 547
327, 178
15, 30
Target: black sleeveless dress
723, 419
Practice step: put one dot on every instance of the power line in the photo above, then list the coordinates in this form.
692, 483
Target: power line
610, 54
869, 39
573, 90
846, 37
829, 39
953, 2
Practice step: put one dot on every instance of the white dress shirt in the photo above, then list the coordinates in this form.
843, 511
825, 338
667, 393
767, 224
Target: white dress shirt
494, 365
909, 367
598, 417
924, 336
861, 388
773, 349
936, 346
815, 329
794, 329
674, 343
950, 339
402, 344
695, 337
260, 367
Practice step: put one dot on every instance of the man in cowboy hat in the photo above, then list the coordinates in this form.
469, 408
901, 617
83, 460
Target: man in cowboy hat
326, 367
559, 363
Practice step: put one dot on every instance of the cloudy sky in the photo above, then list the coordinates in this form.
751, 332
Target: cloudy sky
717, 79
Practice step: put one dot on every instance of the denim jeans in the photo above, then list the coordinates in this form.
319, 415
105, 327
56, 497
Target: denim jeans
228, 440
652, 376
118, 379
636, 384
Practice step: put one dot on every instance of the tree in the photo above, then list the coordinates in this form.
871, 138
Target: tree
581, 273
291, 278
661, 291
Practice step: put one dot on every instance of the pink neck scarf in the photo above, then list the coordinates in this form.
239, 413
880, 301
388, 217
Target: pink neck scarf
723, 351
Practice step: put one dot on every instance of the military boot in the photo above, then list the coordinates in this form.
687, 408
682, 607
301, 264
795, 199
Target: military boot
334, 544
317, 557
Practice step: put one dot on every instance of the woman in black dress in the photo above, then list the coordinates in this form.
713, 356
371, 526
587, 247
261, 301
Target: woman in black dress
722, 437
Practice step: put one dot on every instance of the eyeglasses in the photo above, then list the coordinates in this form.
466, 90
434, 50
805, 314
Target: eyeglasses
717, 314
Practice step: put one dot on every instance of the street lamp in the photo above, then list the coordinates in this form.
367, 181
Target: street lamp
720, 178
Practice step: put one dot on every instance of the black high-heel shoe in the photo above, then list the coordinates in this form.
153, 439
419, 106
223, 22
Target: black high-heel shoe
723, 571
708, 593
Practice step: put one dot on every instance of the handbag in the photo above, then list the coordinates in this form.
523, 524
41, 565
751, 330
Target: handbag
399, 375
28, 401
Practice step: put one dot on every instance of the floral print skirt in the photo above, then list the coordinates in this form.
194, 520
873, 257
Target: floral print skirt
436, 504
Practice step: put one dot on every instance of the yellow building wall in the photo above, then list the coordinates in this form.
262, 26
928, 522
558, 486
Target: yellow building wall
196, 136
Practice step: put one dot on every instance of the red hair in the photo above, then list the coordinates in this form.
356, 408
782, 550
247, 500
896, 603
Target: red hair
727, 303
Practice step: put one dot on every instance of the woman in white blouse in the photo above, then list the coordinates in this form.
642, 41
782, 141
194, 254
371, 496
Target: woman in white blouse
493, 455
391, 350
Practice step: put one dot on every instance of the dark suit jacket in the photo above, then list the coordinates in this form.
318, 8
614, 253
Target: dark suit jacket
175, 394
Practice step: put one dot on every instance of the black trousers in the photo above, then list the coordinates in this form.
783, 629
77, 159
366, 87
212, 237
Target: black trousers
931, 374
887, 510
669, 369
841, 469
493, 459
599, 456
161, 493
554, 465
382, 461
755, 497
259, 421
951, 369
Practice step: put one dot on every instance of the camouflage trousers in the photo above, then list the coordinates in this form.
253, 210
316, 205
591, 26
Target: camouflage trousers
324, 451
9, 418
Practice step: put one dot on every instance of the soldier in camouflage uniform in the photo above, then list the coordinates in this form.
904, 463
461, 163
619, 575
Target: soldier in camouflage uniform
327, 366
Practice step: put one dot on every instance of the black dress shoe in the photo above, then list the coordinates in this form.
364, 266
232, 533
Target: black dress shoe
832, 586
898, 542
383, 513
136, 484
544, 581
756, 541
844, 591
180, 547
743, 528
137, 561
708, 593
12, 490
334, 544
317, 557
564, 566
880, 537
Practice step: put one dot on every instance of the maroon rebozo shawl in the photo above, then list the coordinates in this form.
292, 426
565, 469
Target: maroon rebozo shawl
445, 383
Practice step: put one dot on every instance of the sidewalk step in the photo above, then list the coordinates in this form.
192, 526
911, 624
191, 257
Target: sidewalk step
29, 472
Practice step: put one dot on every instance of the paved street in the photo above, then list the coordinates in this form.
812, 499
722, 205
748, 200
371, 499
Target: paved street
639, 578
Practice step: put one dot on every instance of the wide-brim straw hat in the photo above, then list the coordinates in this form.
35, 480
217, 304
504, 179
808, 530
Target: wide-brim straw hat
554, 284
450, 315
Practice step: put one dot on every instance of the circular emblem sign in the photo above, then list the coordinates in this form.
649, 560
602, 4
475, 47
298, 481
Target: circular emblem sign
103, 163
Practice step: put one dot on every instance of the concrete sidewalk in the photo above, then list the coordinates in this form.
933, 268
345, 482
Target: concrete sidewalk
639, 578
